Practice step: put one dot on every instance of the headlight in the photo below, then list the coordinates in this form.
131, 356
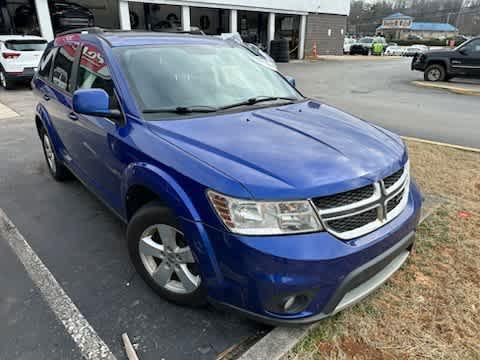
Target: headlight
249, 217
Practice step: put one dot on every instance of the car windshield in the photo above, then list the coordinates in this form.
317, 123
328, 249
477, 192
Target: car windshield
204, 77
26, 45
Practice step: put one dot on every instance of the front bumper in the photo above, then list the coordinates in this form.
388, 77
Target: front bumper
357, 285
417, 63
254, 273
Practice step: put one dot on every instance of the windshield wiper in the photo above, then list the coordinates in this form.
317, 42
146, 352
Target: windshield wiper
258, 99
182, 110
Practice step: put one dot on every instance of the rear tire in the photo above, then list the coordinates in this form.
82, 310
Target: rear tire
58, 171
6, 84
434, 73
162, 256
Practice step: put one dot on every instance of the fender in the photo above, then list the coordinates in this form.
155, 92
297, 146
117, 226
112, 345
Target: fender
439, 60
160, 183
169, 191
44, 117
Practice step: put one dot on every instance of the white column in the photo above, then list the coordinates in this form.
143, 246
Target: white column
44, 19
301, 43
124, 14
233, 21
186, 18
271, 28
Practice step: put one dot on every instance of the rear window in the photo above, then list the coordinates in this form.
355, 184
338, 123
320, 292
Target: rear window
26, 45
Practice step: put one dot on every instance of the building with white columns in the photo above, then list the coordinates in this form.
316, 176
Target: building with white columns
302, 22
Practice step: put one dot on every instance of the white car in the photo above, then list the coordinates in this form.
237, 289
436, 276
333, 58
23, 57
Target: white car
422, 48
394, 51
20, 55
415, 49
347, 43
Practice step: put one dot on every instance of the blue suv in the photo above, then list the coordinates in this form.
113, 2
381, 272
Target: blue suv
237, 190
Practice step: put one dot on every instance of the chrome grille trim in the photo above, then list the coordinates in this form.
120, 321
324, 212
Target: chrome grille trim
379, 200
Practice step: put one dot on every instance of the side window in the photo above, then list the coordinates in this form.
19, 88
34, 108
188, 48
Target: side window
62, 66
472, 47
93, 73
46, 63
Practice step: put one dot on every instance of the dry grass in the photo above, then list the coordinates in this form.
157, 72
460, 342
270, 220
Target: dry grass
431, 308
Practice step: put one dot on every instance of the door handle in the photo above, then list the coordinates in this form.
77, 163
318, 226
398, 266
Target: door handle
73, 116
46, 97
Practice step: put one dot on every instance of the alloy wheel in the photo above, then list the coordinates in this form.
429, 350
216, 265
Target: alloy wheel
434, 74
50, 155
168, 259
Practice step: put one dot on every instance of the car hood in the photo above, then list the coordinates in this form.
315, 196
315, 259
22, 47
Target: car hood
289, 152
440, 52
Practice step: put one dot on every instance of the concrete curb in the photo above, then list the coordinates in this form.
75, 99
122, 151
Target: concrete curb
278, 342
449, 87
350, 58
453, 146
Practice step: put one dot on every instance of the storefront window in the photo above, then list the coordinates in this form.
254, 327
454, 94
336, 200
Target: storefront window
210, 21
18, 17
155, 17
252, 26
288, 27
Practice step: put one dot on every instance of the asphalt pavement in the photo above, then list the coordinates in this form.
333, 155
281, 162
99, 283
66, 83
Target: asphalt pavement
83, 246
382, 92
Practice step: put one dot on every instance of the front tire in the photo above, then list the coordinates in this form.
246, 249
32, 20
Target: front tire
162, 256
435, 73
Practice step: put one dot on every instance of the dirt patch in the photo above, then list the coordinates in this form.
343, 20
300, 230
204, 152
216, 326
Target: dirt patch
430, 309
358, 349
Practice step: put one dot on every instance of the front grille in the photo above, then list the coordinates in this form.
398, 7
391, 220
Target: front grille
392, 179
353, 222
345, 198
393, 202
346, 214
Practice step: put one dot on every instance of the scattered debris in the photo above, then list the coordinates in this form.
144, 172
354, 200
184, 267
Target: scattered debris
129, 349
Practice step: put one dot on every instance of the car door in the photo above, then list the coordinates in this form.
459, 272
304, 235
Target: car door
467, 59
57, 98
99, 139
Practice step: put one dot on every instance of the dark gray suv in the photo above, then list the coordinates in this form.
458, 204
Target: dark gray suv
442, 65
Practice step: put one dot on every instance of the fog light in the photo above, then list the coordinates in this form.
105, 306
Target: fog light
289, 302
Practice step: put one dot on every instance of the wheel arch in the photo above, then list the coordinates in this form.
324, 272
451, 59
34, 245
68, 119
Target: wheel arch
437, 62
152, 183
42, 120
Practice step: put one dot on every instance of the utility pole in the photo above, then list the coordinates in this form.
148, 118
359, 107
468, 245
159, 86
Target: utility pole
457, 22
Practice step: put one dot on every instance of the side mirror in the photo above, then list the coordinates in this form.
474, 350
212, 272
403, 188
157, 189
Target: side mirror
291, 80
93, 102
464, 52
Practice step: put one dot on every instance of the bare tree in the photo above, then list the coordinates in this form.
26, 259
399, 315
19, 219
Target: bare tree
365, 16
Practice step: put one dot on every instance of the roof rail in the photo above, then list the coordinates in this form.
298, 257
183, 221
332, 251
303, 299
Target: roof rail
99, 30
172, 31
87, 30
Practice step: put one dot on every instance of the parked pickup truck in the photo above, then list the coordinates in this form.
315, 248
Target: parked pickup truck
442, 65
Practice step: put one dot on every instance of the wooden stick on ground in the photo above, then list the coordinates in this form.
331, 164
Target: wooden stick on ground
129, 349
